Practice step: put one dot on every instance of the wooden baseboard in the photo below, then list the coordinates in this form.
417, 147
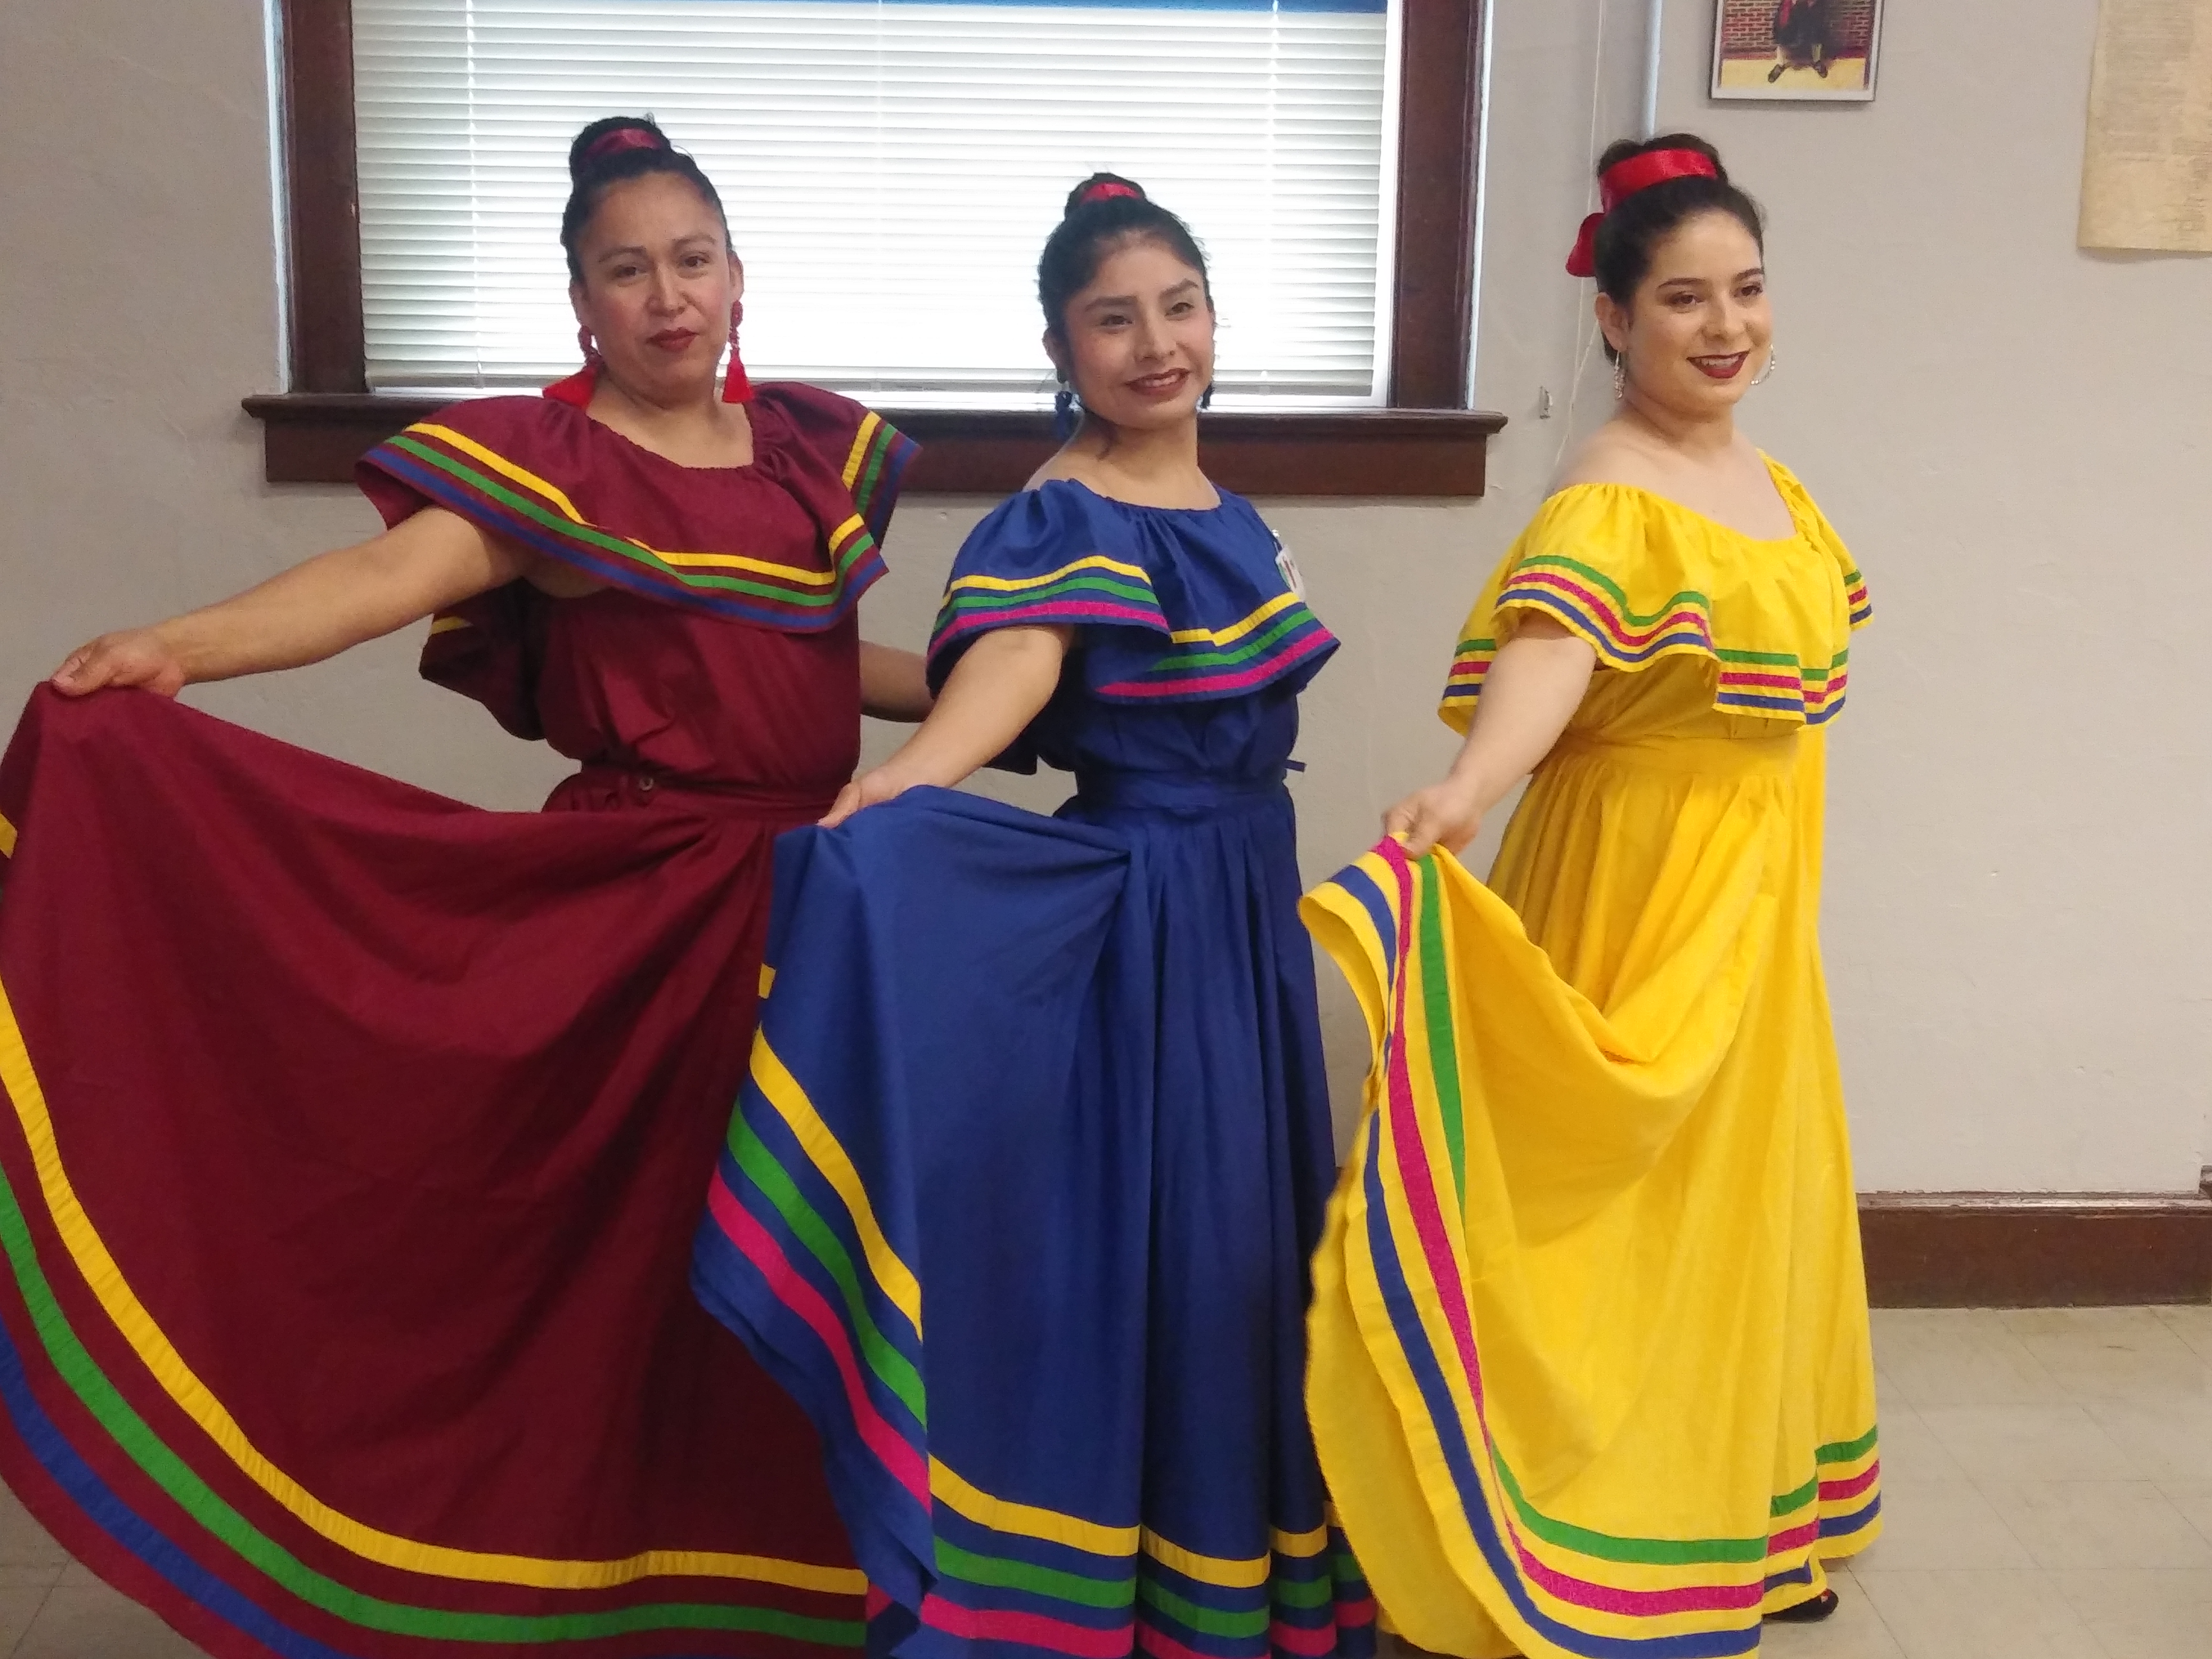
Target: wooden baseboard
2036, 1249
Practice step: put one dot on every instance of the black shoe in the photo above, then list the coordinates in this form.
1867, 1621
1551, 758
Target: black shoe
1822, 67
1774, 74
1807, 1612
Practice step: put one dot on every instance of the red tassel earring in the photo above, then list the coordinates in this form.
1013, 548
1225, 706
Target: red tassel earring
577, 389
736, 387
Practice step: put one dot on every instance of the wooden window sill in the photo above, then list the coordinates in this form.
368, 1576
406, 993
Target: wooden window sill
315, 437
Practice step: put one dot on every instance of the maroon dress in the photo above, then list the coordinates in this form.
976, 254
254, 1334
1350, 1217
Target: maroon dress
354, 1138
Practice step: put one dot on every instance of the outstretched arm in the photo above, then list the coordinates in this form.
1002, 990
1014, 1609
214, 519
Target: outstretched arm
313, 611
893, 685
1532, 690
994, 691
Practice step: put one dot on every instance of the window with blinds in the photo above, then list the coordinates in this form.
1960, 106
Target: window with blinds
891, 168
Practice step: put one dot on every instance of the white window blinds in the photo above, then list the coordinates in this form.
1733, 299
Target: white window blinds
891, 168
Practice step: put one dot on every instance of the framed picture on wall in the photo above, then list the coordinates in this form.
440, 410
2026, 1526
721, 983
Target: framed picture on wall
1820, 50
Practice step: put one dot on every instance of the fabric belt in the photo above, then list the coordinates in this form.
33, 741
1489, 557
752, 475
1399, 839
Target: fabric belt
636, 786
1172, 791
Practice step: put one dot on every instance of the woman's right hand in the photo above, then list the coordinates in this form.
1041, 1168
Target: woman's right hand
136, 656
1446, 815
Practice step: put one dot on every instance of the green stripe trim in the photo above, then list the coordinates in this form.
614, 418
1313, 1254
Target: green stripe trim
1003, 1574
74, 1364
879, 449
1443, 1039
1614, 591
892, 1368
1296, 1593
1206, 1621
1791, 1501
1179, 661
959, 604
1650, 1552
1848, 1452
545, 519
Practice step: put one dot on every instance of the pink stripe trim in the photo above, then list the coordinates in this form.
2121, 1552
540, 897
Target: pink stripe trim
1834, 1490
1814, 691
1797, 1538
890, 1447
879, 1599
1258, 674
1613, 625
1161, 1645
1352, 1615
1091, 609
1031, 1630
1429, 1227
1311, 1642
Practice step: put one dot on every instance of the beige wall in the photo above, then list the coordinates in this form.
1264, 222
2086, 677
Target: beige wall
2013, 435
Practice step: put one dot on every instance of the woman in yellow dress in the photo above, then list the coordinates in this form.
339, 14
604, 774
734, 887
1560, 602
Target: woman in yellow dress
1590, 1372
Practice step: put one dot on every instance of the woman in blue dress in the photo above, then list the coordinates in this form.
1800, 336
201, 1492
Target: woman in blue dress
1058, 1085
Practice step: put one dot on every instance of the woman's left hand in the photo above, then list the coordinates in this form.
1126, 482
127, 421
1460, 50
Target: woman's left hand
869, 789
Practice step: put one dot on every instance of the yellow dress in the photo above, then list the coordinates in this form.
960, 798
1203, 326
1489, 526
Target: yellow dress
1590, 1372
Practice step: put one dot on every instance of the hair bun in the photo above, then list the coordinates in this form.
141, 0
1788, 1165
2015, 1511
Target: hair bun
612, 134
1103, 187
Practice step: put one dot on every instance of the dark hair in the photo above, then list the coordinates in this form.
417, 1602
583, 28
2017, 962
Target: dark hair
1628, 236
597, 166
1103, 213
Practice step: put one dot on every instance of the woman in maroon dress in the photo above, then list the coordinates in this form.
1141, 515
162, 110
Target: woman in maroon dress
355, 1138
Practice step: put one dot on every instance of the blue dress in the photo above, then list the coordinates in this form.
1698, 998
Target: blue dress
1051, 1092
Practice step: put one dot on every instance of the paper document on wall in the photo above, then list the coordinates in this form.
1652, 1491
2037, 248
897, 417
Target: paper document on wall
2147, 177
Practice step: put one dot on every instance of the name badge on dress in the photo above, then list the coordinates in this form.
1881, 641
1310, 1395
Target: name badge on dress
1287, 567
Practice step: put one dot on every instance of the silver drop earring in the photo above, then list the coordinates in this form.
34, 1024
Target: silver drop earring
1621, 379
1772, 358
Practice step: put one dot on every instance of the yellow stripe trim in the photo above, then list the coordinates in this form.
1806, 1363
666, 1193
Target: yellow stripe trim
1193, 636
447, 625
767, 979
7, 839
1027, 1520
177, 1379
861, 440
892, 1275
1015, 584
531, 481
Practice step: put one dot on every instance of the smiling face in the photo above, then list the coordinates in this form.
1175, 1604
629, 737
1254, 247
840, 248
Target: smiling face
1137, 341
1698, 331
659, 281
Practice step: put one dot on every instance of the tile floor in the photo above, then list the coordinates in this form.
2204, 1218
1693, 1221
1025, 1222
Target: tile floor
2049, 1496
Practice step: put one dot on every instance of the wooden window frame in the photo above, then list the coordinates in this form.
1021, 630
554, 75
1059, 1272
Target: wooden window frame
1426, 442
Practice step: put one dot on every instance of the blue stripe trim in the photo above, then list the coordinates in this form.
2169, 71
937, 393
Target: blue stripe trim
1428, 1375
1380, 911
1843, 1526
130, 1531
889, 1530
783, 1147
1543, 598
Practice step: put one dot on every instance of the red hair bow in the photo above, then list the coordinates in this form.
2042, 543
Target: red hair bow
623, 138
1622, 180
1105, 190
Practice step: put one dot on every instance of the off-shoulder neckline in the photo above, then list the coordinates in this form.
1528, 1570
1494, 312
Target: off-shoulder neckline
752, 417
1220, 498
1774, 471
